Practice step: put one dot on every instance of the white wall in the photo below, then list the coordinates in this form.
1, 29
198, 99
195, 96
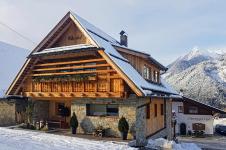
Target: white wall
190, 119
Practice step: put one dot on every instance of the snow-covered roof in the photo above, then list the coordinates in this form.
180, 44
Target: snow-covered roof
106, 42
184, 98
64, 48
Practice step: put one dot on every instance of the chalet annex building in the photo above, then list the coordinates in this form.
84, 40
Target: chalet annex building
100, 79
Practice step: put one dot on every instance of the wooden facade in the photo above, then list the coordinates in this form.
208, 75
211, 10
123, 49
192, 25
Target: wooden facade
156, 118
140, 60
84, 74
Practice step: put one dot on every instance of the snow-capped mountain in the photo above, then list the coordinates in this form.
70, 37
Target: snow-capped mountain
11, 60
192, 58
201, 75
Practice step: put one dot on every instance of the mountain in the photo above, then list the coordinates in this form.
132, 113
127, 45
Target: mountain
200, 75
192, 58
11, 60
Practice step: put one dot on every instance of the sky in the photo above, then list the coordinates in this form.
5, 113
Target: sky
166, 29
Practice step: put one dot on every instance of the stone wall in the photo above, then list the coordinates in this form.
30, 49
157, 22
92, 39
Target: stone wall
133, 109
7, 113
169, 118
127, 108
141, 126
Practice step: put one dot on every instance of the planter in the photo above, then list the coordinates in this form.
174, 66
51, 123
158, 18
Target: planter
73, 130
124, 135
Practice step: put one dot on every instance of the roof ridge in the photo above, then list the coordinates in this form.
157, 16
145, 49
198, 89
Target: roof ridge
89, 26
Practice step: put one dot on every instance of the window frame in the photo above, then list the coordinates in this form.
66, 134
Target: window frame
180, 109
189, 110
146, 72
105, 113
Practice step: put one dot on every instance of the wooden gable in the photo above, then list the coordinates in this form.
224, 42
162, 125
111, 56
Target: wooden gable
70, 32
72, 36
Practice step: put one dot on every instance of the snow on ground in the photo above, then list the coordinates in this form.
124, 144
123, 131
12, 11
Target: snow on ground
165, 144
26, 140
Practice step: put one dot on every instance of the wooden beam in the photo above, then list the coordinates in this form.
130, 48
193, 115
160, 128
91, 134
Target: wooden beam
72, 67
71, 62
76, 72
131, 84
53, 95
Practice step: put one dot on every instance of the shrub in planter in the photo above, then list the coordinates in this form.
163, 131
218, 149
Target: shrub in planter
123, 127
74, 123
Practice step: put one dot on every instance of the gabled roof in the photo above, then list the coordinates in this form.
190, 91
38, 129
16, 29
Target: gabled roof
101, 40
107, 42
186, 99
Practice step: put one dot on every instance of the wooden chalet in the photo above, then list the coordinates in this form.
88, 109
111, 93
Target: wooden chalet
99, 78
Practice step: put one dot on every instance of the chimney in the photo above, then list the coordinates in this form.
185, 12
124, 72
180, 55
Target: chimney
123, 38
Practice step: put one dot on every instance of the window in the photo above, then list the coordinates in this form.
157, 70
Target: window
192, 110
156, 111
150, 74
154, 75
58, 108
148, 111
162, 109
146, 72
112, 110
180, 109
101, 110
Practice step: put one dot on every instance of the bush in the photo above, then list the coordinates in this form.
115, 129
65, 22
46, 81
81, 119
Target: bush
74, 121
123, 125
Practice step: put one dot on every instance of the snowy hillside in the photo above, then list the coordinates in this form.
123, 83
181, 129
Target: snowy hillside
11, 60
201, 76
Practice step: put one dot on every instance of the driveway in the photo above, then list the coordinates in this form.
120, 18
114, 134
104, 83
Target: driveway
207, 143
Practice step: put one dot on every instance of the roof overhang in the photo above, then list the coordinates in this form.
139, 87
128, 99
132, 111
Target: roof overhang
186, 99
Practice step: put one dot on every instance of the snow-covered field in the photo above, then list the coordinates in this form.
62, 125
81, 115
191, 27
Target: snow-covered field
28, 140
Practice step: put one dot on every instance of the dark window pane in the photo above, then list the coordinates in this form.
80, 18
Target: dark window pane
156, 111
112, 110
96, 110
148, 111
193, 110
101, 110
162, 109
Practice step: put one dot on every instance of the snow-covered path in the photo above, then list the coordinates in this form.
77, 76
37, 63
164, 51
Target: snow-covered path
27, 140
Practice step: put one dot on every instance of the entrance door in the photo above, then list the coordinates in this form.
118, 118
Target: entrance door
182, 129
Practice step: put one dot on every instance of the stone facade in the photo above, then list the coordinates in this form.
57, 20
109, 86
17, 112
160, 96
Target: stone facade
12, 110
127, 108
141, 126
7, 113
133, 109
169, 119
